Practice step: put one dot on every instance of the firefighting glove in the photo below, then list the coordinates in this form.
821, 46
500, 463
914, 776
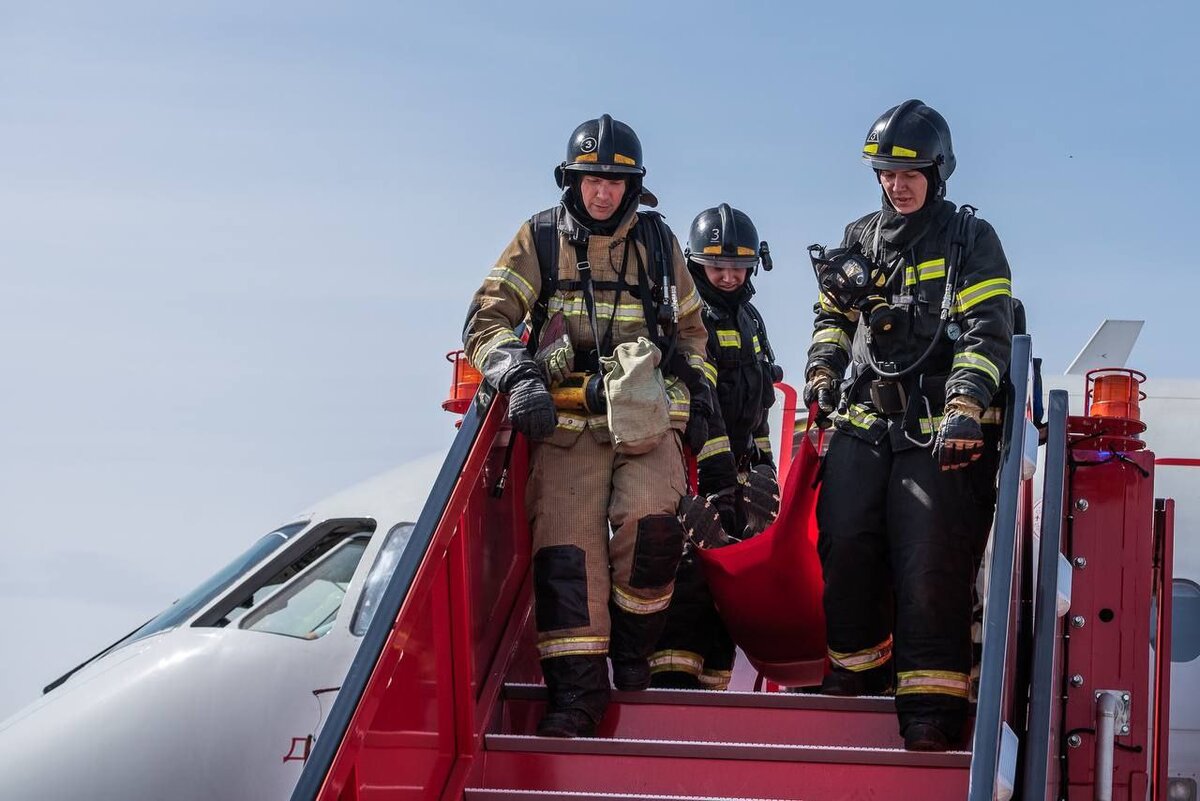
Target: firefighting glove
696, 433
555, 356
760, 498
531, 409
960, 438
702, 522
725, 502
821, 389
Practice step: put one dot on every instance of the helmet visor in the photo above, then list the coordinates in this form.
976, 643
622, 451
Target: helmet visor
897, 163
726, 262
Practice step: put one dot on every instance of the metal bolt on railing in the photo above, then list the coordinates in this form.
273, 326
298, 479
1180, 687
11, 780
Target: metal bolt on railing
1079, 621
1081, 562
1077, 680
1081, 504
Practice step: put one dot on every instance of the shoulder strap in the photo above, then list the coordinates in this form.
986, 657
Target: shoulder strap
762, 332
545, 241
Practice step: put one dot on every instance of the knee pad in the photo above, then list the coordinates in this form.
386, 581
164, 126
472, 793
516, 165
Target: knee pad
656, 552
560, 588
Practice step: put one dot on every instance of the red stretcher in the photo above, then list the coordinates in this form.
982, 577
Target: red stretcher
768, 588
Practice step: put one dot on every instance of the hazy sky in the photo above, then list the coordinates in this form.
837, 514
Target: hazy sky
236, 238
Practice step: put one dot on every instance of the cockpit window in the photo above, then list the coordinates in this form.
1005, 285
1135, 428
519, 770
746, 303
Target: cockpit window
381, 573
308, 606
186, 606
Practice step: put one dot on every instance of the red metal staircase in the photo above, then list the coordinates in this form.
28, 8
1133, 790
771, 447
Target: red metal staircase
442, 700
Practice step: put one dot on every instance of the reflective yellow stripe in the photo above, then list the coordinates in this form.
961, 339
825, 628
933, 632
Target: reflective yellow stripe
858, 416
903, 151
639, 606
679, 401
728, 338
925, 271
763, 444
975, 294
871, 147
710, 372
826, 306
676, 662
832, 336
979, 363
992, 416
619, 159
715, 446
504, 337
867, 658
757, 345
516, 282
574, 306
689, 304
935, 682
571, 422
716, 679
573, 646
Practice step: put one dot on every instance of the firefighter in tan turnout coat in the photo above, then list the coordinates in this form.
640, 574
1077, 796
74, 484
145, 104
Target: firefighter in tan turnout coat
597, 280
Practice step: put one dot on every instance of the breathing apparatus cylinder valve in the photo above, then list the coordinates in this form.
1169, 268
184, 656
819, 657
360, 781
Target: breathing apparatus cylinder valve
580, 392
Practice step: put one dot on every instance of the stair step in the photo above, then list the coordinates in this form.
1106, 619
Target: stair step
703, 769
492, 794
699, 715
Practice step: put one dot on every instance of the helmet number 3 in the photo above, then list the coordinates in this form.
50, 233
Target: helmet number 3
715, 236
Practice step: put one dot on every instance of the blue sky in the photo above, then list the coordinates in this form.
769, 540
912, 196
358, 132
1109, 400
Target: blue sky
236, 238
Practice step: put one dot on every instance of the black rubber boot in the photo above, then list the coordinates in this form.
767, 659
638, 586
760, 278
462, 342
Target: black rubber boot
848, 683
578, 694
675, 680
633, 640
925, 737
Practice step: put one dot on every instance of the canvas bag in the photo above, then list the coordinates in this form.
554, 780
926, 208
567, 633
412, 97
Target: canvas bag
638, 413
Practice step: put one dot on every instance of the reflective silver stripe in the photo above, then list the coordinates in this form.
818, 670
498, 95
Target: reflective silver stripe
504, 337
710, 373
574, 306
865, 659
716, 679
832, 336
689, 304
858, 416
676, 662
975, 294
936, 682
572, 646
714, 446
729, 338
763, 444
639, 606
979, 363
516, 282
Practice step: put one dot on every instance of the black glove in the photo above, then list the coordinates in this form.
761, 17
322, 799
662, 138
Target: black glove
531, 409
696, 433
702, 522
725, 503
821, 389
760, 498
960, 438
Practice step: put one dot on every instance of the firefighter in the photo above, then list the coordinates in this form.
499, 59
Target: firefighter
606, 275
735, 465
908, 490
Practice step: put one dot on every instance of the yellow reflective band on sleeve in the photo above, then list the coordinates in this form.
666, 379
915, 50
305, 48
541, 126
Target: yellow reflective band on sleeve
639, 606
729, 338
979, 363
903, 151
573, 646
716, 679
827, 307
757, 345
992, 416
935, 682
504, 337
710, 372
516, 282
679, 401
675, 661
763, 444
689, 304
832, 336
871, 147
619, 159
925, 271
715, 446
867, 658
975, 294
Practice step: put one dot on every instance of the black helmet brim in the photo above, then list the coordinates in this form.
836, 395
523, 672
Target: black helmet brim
601, 169
897, 163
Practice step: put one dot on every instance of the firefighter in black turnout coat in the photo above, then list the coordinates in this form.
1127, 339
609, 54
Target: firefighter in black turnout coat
736, 468
908, 490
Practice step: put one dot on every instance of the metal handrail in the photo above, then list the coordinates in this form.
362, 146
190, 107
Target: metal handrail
1002, 607
375, 639
1041, 747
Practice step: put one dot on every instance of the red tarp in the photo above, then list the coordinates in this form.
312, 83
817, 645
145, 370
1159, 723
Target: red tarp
768, 588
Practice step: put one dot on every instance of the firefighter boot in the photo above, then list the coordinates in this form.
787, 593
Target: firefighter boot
877, 681
633, 640
925, 737
578, 691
